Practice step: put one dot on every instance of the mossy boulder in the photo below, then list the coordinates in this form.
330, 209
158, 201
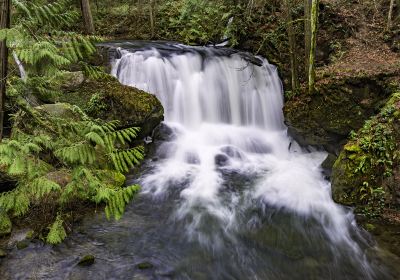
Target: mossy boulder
109, 100
338, 107
60, 110
367, 172
86, 260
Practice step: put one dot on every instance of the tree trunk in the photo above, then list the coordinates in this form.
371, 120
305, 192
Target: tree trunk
311, 69
292, 45
87, 17
390, 14
4, 23
152, 14
307, 33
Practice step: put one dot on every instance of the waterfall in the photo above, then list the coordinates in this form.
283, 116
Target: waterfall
228, 155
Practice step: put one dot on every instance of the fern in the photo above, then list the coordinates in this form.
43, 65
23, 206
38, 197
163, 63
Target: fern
117, 200
57, 232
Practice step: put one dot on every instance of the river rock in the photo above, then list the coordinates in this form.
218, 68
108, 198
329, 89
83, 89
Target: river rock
23, 244
86, 260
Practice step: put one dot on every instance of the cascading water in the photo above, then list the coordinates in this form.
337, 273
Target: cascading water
230, 158
226, 194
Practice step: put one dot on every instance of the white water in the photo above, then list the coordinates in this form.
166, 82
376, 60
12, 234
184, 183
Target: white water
227, 118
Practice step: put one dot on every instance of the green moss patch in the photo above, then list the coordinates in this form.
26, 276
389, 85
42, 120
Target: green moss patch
366, 174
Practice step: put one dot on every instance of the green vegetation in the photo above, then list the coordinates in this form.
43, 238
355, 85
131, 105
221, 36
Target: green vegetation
58, 155
363, 171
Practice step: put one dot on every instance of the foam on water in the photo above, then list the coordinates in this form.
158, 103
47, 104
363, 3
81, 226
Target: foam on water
226, 117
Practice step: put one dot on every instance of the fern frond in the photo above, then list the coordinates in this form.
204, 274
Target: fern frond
57, 232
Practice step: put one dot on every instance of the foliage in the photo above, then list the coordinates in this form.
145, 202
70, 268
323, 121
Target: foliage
39, 37
62, 157
84, 149
195, 21
371, 156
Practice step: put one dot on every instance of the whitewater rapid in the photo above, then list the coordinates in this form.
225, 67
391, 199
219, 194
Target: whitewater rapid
225, 118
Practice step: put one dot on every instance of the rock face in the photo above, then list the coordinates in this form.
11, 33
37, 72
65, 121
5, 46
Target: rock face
339, 106
108, 100
367, 172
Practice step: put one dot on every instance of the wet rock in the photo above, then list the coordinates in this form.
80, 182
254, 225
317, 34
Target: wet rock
86, 260
231, 152
221, 160
328, 163
145, 265
23, 244
163, 133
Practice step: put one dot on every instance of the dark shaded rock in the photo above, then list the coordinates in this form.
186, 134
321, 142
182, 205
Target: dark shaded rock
86, 260
23, 244
145, 265
328, 163
221, 159
338, 107
163, 133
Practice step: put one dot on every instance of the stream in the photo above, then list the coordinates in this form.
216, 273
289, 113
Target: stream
226, 193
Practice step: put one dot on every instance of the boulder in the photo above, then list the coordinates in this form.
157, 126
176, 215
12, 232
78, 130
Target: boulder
109, 100
339, 106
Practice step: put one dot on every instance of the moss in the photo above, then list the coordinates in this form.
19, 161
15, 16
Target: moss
108, 100
5, 224
145, 265
86, 260
366, 173
338, 107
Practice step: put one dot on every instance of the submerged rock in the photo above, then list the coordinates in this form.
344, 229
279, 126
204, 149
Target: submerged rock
23, 244
145, 265
86, 260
